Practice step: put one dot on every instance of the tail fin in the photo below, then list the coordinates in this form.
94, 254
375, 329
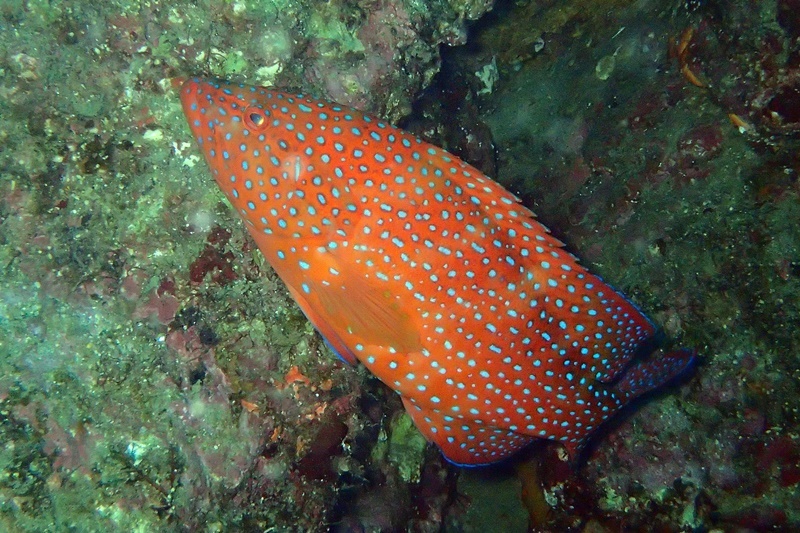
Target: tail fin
654, 371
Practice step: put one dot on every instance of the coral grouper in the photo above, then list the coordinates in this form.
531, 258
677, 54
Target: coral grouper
432, 275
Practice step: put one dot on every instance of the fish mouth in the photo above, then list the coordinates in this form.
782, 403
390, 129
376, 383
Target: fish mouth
191, 89
205, 115
209, 103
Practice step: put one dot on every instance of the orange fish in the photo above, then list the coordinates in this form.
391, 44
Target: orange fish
432, 275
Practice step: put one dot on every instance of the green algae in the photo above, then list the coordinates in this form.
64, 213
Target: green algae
406, 447
329, 29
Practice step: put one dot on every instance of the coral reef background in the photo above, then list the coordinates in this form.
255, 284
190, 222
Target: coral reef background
155, 375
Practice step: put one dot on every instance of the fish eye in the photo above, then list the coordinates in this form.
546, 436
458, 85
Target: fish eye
255, 118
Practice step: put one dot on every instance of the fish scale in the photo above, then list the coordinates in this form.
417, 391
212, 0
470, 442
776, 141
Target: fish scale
429, 273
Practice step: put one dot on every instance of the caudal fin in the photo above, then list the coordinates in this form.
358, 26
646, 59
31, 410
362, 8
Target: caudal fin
654, 371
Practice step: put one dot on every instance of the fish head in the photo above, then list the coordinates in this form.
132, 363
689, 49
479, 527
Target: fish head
260, 154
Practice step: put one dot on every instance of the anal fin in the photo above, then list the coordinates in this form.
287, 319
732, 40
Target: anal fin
464, 442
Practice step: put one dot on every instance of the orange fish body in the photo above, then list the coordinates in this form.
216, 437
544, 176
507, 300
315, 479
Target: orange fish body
436, 278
